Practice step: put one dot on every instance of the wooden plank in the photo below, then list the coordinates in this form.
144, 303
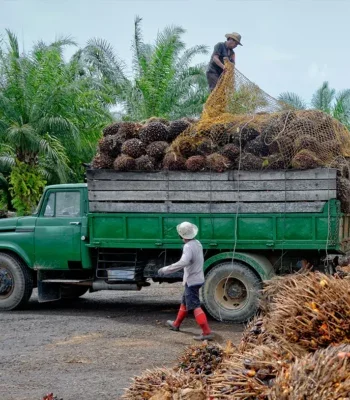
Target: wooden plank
318, 173
299, 207
210, 196
109, 174
322, 184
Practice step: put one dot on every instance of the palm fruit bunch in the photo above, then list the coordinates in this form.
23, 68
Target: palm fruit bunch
153, 132
343, 193
305, 159
124, 163
250, 162
196, 163
174, 162
206, 146
157, 149
165, 384
306, 142
218, 163
219, 134
245, 134
157, 119
109, 146
273, 162
145, 163
133, 148
310, 311
176, 128
249, 375
257, 147
231, 151
111, 129
322, 375
255, 335
201, 359
128, 130
186, 146
102, 161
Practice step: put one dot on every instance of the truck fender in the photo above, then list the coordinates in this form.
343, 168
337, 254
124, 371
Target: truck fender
257, 262
11, 247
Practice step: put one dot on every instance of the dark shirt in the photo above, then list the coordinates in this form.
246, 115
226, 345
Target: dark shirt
221, 51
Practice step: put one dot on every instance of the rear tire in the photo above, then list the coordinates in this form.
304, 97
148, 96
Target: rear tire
73, 292
16, 283
231, 292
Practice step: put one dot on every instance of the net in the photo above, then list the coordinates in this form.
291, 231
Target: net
268, 133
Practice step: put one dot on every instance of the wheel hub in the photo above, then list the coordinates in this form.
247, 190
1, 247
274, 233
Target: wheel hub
231, 293
6, 282
235, 291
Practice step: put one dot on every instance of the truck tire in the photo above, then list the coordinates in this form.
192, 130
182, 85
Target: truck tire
231, 292
72, 291
16, 283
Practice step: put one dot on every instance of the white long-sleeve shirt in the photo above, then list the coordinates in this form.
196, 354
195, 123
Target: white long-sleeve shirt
191, 261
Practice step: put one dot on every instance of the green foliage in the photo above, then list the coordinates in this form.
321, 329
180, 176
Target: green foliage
51, 111
26, 186
164, 84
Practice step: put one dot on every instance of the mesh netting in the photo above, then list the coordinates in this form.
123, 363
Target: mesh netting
267, 133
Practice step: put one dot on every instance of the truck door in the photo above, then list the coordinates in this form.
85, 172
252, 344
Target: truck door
58, 231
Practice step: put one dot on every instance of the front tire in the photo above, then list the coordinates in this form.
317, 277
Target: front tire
16, 283
231, 292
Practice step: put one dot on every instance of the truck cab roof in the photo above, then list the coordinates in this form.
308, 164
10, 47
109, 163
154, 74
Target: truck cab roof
67, 186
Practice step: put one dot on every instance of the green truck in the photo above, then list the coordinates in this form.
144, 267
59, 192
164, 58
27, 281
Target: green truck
115, 231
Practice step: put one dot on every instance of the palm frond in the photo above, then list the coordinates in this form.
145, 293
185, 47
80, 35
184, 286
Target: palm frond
323, 98
100, 55
292, 100
13, 44
55, 152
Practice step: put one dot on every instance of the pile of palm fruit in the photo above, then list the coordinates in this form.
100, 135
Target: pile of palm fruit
297, 348
289, 139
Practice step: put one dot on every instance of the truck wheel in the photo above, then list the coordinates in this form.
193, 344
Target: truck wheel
231, 292
72, 292
16, 283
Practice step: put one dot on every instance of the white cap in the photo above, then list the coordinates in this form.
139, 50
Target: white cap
187, 230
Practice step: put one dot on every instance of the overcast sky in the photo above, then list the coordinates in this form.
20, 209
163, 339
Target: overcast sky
288, 45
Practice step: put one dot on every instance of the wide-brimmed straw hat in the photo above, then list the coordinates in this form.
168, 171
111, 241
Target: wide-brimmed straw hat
236, 36
187, 230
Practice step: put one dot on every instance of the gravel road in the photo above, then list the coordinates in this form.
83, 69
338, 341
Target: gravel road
90, 349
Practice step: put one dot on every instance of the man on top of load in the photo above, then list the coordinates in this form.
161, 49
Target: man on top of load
222, 50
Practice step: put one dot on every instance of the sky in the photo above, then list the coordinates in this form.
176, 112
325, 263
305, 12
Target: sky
288, 45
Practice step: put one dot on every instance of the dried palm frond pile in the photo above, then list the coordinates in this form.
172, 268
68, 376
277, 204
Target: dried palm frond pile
310, 311
322, 375
165, 384
249, 375
298, 348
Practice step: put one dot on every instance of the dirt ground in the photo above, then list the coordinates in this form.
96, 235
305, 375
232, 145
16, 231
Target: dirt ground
90, 349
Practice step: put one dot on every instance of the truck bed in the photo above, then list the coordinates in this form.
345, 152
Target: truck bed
266, 210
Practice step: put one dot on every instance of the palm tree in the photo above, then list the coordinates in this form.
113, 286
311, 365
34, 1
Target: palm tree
50, 110
324, 99
163, 82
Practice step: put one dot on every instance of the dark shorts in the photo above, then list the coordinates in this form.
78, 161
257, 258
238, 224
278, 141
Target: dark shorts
190, 297
212, 79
